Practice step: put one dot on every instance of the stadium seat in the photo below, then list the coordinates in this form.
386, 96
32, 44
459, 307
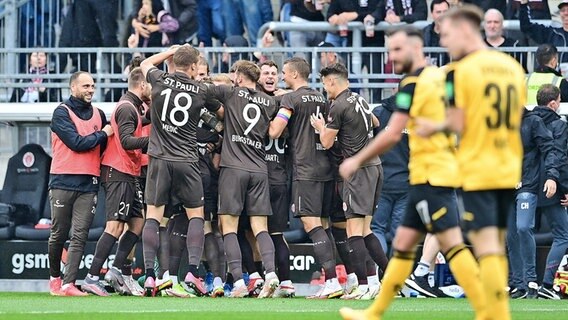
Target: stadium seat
25, 187
98, 225
29, 232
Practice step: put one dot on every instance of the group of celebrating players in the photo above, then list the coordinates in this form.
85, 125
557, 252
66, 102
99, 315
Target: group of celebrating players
324, 145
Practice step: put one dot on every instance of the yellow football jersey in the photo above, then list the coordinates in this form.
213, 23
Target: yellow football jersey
490, 88
432, 160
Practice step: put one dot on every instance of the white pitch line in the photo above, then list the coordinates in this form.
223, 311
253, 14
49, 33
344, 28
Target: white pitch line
157, 311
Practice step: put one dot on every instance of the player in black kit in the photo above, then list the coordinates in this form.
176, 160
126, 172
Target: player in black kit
351, 121
312, 176
243, 181
177, 101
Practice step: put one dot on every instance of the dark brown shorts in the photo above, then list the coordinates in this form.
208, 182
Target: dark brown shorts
312, 198
360, 194
240, 189
123, 200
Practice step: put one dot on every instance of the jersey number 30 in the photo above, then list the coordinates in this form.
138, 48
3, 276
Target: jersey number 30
503, 105
182, 103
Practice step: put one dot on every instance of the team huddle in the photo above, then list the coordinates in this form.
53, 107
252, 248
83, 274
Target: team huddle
317, 156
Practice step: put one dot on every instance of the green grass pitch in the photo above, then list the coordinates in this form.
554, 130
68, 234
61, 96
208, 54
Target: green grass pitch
42, 306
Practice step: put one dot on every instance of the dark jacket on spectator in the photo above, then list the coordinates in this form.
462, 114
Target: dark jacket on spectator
416, 11
63, 127
539, 10
512, 43
298, 9
395, 161
432, 39
185, 12
538, 151
485, 5
563, 83
543, 34
559, 130
49, 95
340, 6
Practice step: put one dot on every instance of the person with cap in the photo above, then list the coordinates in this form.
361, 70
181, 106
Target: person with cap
546, 72
546, 34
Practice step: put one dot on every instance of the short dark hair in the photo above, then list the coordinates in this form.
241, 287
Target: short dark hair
337, 69
547, 92
436, 2
545, 53
185, 56
135, 77
469, 13
135, 62
409, 30
269, 63
299, 65
76, 75
248, 69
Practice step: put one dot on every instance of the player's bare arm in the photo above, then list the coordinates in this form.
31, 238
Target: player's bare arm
279, 123
327, 135
379, 145
156, 59
455, 122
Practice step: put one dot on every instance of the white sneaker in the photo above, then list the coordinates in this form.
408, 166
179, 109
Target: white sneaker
133, 285
270, 284
285, 290
332, 289
351, 284
372, 292
357, 293
240, 289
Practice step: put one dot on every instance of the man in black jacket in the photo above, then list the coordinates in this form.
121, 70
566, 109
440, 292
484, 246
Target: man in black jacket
432, 32
539, 151
77, 143
548, 98
546, 34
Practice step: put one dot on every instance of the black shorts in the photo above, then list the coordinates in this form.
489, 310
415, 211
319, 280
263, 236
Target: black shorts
167, 179
431, 209
240, 189
361, 193
488, 208
312, 198
336, 213
280, 203
123, 200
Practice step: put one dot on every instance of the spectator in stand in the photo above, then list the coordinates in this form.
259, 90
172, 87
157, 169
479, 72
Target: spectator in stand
228, 59
538, 151
548, 99
539, 9
35, 92
184, 11
396, 11
250, 13
300, 13
485, 5
339, 13
211, 23
546, 72
328, 58
432, 32
543, 34
494, 35
90, 23
153, 25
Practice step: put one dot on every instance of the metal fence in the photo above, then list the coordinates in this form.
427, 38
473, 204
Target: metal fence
107, 65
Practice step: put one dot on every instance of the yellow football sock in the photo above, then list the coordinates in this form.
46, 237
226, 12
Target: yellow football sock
492, 278
466, 271
398, 269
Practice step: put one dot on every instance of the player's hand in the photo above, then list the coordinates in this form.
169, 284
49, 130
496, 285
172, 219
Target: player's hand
426, 128
550, 188
348, 168
108, 130
564, 201
317, 121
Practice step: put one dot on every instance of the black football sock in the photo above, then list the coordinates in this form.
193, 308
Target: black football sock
246, 253
258, 267
212, 253
323, 251
266, 248
282, 256
164, 252
221, 257
342, 245
233, 253
126, 268
102, 251
370, 266
151, 243
195, 241
376, 252
357, 258
125, 245
177, 229
229, 278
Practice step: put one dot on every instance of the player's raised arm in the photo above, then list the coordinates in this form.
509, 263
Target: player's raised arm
156, 59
